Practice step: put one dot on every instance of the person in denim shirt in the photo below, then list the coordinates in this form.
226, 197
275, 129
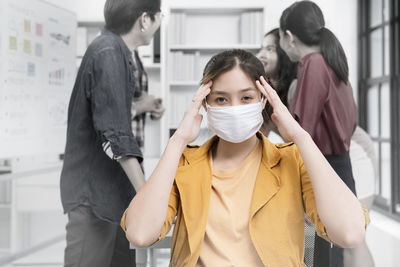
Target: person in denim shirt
102, 157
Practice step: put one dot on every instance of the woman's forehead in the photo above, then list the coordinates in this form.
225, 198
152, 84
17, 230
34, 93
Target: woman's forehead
233, 79
268, 40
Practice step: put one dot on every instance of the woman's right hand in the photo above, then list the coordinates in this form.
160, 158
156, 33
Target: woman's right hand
287, 126
189, 127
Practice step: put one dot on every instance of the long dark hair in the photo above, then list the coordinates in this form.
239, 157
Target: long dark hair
286, 69
286, 73
305, 20
121, 15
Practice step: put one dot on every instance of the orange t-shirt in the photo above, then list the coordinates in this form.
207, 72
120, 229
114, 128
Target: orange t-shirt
227, 240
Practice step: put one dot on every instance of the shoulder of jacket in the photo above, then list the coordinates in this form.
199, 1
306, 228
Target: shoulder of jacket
103, 43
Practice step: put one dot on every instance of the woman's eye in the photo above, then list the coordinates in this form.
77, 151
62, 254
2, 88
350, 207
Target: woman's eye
220, 100
247, 98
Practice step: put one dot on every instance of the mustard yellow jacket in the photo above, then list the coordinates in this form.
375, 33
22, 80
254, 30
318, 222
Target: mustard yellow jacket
282, 193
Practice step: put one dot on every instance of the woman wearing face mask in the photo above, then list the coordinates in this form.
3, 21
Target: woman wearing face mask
323, 103
238, 199
279, 70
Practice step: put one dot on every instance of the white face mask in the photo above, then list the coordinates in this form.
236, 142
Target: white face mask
235, 124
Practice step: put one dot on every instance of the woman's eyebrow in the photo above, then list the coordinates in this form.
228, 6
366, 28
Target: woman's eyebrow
248, 89
219, 92
226, 93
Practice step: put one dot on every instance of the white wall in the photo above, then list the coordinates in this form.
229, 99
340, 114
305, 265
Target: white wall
86, 10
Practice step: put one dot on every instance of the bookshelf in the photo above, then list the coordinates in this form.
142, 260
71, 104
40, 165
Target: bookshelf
192, 36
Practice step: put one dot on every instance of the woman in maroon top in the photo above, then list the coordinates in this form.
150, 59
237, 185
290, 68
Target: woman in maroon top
323, 103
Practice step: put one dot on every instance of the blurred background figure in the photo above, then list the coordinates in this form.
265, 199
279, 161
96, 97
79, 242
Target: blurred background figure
101, 170
323, 103
281, 75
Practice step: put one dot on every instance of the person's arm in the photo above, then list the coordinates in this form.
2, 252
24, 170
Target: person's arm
146, 103
111, 112
147, 211
133, 170
338, 208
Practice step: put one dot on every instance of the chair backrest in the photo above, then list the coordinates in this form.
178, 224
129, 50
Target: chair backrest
309, 237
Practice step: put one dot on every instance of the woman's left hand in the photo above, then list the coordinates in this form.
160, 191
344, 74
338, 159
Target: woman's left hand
287, 125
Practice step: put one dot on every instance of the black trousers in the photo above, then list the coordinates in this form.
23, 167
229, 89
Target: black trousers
326, 255
92, 242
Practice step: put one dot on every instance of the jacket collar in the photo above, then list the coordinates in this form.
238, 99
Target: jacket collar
270, 157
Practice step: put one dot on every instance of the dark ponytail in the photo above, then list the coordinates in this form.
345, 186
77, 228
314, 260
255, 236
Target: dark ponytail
305, 20
334, 55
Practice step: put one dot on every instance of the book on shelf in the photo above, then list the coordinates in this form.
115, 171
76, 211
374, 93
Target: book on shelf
180, 101
150, 54
251, 27
177, 27
183, 66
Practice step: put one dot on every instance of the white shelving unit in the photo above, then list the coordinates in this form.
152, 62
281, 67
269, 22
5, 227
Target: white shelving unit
192, 35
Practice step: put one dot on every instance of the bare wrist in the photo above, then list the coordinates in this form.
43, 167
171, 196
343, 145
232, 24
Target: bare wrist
301, 136
178, 141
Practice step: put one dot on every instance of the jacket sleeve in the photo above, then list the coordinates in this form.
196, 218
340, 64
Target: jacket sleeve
111, 100
310, 205
173, 205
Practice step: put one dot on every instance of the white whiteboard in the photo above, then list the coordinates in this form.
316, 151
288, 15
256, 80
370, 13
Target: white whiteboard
37, 72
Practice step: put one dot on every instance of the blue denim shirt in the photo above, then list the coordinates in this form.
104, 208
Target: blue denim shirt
100, 111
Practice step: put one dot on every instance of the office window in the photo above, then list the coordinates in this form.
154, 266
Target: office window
379, 95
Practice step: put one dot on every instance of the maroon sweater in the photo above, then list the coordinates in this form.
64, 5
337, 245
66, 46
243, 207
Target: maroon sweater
323, 105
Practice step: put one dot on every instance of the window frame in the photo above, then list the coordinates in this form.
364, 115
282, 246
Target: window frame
392, 208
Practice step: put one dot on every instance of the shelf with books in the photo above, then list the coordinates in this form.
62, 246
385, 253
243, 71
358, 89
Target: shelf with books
191, 36
216, 26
